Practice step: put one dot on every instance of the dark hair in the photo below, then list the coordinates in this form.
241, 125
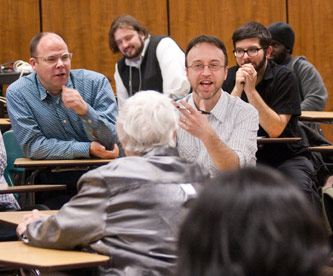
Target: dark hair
253, 30
207, 39
121, 22
36, 39
252, 222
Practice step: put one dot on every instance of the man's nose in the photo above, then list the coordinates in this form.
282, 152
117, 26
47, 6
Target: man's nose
206, 70
60, 62
125, 44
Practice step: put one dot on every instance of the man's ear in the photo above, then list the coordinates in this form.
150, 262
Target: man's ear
226, 72
142, 35
32, 62
269, 51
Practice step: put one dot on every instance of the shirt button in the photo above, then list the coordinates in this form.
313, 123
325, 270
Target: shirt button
64, 121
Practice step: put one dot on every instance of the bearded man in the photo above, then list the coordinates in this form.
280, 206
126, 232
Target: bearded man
273, 90
148, 62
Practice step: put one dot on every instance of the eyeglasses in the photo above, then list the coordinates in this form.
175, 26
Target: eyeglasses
215, 66
251, 52
51, 60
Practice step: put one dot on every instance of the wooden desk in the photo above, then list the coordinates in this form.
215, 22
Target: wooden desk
265, 140
60, 164
32, 188
35, 166
19, 255
15, 217
325, 117
5, 122
322, 149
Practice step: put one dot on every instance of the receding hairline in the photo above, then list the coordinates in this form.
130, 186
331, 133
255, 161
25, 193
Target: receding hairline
36, 40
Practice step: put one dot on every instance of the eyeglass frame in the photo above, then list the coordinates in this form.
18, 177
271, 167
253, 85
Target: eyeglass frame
70, 55
247, 52
204, 65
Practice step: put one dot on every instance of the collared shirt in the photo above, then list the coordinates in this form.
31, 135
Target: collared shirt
236, 124
46, 129
172, 64
7, 201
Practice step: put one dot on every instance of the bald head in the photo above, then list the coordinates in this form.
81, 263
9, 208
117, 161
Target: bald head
37, 38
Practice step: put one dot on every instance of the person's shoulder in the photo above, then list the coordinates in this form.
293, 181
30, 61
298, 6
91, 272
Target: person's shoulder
165, 41
232, 69
279, 70
86, 74
301, 63
299, 59
22, 83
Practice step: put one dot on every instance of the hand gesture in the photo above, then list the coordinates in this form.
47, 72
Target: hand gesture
98, 150
194, 121
73, 100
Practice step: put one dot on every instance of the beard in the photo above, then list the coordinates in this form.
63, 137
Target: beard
260, 65
137, 51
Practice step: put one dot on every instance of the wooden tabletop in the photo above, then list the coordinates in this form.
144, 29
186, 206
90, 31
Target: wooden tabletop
16, 254
5, 122
15, 217
317, 116
265, 140
32, 188
323, 149
33, 164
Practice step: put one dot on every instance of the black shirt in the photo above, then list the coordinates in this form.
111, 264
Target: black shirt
279, 90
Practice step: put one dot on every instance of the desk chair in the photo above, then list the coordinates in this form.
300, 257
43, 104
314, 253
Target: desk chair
13, 151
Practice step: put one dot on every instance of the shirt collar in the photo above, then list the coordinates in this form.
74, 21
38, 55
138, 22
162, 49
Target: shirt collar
218, 110
137, 63
269, 70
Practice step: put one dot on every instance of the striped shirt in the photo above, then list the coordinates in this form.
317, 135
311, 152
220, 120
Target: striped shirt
46, 129
236, 124
7, 201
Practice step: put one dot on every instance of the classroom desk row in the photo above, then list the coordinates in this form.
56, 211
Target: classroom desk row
18, 255
307, 116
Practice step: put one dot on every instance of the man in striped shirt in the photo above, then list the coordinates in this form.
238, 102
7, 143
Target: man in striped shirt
216, 130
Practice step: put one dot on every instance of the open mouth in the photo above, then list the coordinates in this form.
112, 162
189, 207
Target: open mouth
206, 83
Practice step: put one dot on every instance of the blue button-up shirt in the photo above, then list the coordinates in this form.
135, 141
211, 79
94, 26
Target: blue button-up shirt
46, 129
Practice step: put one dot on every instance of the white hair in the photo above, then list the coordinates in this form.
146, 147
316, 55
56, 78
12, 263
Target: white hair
147, 120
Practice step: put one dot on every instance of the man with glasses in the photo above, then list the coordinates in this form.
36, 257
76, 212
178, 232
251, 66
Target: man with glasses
272, 89
217, 130
59, 113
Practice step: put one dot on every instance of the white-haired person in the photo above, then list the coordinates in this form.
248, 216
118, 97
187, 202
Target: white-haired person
131, 208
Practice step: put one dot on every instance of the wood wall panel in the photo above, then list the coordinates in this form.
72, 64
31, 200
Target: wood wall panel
85, 26
189, 18
312, 22
19, 22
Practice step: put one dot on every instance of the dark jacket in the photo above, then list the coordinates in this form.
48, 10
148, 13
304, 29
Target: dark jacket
130, 209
